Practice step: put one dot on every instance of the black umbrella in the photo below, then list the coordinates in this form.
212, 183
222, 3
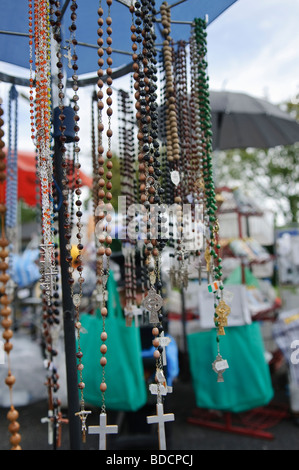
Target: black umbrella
240, 121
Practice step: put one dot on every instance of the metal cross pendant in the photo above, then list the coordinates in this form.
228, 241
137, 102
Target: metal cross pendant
208, 258
222, 312
83, 416
164, 341
160, 418
153, 303
103, 429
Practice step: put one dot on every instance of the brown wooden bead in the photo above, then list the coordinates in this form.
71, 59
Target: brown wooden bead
104, 311
10, 380
12, 414
155, 331
14, 427
7, 334
103, 361
15, 439
104, 336
6, 323
8, 347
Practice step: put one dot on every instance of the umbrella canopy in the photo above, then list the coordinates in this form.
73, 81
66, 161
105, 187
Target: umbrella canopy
27, 185
14, 45
240, 121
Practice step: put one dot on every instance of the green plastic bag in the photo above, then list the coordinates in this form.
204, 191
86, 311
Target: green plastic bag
124, 372
247, 382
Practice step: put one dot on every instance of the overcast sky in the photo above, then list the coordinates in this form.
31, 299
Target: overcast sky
253, 47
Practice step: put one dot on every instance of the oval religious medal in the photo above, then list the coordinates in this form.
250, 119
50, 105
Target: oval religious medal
175, 177
76, 300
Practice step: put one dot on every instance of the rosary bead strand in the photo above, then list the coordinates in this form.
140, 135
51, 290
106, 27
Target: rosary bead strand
5, 310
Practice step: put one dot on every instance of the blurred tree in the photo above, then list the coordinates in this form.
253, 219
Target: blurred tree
271, 173
27, 213
116, 183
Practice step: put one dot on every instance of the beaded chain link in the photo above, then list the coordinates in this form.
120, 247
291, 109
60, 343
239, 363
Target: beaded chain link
212, 250
43, 138
12, 159
104, 207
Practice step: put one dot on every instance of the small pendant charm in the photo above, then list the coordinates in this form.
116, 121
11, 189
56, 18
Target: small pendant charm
222, 311
153, 303
175, 177
83, 414
219, 366
208, 258
76, 300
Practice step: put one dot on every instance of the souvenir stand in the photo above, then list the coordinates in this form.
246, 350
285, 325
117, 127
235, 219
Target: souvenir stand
285, 329
169, 165
248, 412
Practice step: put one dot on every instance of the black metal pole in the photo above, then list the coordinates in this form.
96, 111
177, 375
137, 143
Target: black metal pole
68, 318
185, 373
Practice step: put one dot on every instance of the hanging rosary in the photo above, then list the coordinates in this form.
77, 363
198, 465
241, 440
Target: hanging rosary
42, 125
6, 298
12, 169
212, 257
104, 208
150, 190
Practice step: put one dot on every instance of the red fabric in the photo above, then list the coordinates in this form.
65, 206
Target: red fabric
27, 178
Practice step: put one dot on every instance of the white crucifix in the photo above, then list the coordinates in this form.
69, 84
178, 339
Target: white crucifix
164, 341
68, 56
49, 420
137, 312
102, 430
160, 418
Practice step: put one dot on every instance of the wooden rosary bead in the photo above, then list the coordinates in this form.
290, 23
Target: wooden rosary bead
103, 361
10, 380
6, 323
104, 311
14, 427
104, 336
7, 334
15, 440
8, 347
12, 414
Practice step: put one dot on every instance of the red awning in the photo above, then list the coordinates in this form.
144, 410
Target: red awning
27, 181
